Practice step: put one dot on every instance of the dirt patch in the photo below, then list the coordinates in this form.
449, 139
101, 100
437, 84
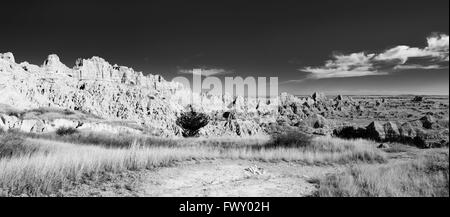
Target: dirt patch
232, 178
122, 184
207, 178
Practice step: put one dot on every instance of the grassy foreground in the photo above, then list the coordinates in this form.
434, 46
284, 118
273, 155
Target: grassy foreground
39, 165
428, 176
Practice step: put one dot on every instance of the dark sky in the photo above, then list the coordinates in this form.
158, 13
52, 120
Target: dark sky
243, 38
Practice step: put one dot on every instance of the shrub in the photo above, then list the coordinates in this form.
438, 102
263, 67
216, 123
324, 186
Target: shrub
192, 122
291, 139
62, 131
418, 99
68, 112
14, 113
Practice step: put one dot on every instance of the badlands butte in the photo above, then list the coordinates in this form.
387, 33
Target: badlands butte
97, 96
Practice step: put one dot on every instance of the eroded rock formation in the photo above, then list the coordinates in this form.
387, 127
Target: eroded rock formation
120, 95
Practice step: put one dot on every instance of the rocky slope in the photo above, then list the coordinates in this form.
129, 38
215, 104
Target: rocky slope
114, 92
92, 86
112, 98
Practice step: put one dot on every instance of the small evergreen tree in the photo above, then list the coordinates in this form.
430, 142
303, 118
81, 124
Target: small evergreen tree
192, 122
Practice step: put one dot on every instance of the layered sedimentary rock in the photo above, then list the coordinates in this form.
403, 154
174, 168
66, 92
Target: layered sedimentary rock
93, 86
118, 93
416, 132
115, 92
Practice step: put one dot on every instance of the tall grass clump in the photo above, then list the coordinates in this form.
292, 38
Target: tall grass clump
105, 139
43, 174
296, 146
428, 176
321, 150
13, 145
290, 139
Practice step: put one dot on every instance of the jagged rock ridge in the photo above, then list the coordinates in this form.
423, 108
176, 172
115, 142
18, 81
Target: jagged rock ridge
120, 94
113, 92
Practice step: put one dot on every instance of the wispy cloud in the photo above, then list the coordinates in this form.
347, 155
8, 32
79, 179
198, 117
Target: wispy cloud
397, 58
437, 49
353, 65
205, 71
417, 66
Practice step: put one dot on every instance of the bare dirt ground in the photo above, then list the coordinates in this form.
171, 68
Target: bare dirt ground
233, 178
219, 177
222, 178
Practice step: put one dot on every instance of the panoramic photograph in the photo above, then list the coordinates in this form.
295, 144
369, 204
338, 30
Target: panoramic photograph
224, 99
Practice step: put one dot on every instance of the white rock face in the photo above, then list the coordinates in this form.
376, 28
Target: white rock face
106, 128
118, 94
110, 92
10, 122
9, 57
58, 123
33, 126
53, 65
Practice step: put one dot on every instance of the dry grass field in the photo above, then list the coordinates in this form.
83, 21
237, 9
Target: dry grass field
425, 177
53, 164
